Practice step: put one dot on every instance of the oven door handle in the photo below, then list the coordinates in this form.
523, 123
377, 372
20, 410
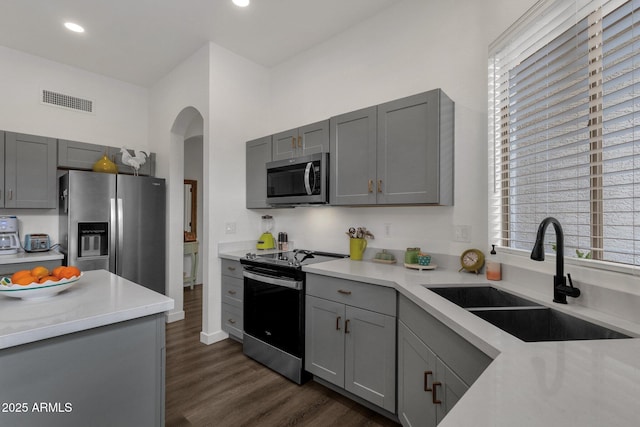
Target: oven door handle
293, 284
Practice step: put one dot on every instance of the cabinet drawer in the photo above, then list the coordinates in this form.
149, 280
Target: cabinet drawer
231, 268
358, 294
232, 320
467, 361
232, 291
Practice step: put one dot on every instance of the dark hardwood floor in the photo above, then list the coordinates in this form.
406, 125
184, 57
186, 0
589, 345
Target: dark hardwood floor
217, 385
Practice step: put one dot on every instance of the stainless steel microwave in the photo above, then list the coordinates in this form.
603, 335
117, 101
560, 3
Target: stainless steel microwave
299, 180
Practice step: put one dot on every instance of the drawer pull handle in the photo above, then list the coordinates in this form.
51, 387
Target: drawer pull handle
426, 380
338, 323
434, 398
346, 326
231, 268
293, 142
231, 321
342, 291
232, 292
299, 142
379, 186
370, 186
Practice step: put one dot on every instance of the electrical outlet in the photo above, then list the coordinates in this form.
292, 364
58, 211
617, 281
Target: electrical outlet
387, 229
229, 228
462, 233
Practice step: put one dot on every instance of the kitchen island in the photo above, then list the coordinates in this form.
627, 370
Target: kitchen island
91, 355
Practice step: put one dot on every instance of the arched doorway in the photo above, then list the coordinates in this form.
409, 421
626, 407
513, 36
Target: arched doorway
188, 125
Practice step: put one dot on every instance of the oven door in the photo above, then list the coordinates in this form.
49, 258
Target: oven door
274, 310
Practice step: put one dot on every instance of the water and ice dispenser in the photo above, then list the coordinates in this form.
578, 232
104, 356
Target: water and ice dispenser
93, 239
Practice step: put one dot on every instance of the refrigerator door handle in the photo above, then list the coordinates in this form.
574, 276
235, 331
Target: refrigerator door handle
113, 226
120, 237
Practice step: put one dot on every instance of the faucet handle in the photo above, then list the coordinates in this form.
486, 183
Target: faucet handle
573, 292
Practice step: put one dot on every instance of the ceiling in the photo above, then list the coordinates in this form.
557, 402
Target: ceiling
139, 41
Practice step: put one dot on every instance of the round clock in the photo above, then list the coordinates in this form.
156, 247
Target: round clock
472, 260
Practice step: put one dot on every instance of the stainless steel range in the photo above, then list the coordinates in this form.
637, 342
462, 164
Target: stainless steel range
274, 287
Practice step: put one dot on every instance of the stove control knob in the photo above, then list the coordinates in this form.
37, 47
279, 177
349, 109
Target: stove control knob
251, 256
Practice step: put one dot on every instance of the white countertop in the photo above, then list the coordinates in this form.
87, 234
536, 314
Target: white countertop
99, 298
21, 257
572, 383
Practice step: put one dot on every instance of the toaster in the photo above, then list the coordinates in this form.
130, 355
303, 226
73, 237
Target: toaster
37, 243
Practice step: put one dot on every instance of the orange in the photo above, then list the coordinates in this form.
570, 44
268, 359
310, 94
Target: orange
69, 272
39, 272
45, 278
58, 271
24, 280
18, 274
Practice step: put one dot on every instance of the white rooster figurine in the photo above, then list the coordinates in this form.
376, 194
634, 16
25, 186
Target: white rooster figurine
134, 161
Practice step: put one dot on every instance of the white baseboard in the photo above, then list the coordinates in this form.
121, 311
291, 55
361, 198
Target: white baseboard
174, 316
213, 338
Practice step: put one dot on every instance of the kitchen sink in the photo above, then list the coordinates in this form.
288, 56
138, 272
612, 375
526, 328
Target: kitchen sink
524, 319
484, 296
532, 324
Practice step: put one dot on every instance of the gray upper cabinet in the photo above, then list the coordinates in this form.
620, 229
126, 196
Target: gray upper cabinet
82, 156
258, 154
2, 133
413, 158
353, 157
309, 139
29, 171
79, 155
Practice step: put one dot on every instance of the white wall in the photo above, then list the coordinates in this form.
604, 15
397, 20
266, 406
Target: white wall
175, 102
409, 48
120, 115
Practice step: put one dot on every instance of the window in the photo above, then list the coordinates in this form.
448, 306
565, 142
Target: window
564, 123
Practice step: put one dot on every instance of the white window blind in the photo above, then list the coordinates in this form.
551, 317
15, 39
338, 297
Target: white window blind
564, 103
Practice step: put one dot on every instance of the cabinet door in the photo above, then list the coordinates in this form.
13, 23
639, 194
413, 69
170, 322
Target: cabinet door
370, 357
449, 392
324, 339
30, 171
408, 150
79, 155
313, 138
285, 144
416, 372
258, 154
2, 174
353, 158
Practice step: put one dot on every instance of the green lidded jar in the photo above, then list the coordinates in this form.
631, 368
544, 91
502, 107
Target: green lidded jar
411, 255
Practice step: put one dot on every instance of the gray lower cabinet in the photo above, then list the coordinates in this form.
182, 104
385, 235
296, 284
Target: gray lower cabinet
302, 141
232, 298
399, 152
351, 337
258, 154
107, 376
29, 171
436, 366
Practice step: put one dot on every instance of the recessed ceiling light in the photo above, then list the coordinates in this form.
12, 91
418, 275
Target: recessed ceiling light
74, 27
241, 3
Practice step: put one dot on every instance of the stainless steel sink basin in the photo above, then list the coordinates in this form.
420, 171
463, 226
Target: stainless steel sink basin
484, 296
524, 319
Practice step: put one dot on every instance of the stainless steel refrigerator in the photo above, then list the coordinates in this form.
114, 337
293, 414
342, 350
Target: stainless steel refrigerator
116, 223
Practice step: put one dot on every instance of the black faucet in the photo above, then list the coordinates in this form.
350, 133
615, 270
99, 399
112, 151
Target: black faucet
560, 288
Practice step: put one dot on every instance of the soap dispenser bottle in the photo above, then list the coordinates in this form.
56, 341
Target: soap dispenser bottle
494, 267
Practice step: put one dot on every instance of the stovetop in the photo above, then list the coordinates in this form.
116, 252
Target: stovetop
292, 259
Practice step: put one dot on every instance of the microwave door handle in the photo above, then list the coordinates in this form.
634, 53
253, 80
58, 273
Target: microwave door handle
307, 178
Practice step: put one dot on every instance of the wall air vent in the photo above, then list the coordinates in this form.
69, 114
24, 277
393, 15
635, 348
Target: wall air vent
66, 101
